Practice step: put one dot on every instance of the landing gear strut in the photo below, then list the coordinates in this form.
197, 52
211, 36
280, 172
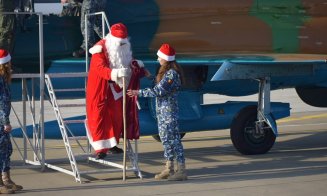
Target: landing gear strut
254, 129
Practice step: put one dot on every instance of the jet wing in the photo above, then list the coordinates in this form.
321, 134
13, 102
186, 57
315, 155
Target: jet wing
263, 71
232, 70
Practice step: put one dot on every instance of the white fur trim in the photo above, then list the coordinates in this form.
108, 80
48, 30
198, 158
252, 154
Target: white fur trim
116, 94
114, 75
116, 39
164, 56
140, 63
100, 144
95, 49
5, 59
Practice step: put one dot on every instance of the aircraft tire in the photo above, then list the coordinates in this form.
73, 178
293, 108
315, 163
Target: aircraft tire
157, 137
243, 137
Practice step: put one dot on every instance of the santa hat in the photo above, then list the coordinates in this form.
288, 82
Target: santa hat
4, 56
119, 31
166, 52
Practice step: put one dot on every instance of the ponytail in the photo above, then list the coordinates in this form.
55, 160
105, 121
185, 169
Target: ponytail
5, 71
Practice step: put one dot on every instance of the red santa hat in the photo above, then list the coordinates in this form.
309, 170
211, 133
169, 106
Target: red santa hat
166, 52
4, 56
119, 31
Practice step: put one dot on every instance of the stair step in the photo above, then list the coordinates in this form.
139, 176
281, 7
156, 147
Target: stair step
74, 121
69, 90
78, 138
72, 105
67, 75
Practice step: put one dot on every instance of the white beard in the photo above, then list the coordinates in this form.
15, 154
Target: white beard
120, 56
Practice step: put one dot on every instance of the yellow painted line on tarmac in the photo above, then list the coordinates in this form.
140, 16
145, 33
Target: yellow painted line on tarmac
290, 119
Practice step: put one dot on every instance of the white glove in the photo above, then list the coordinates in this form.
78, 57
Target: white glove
123, 72
140, 63
116, 74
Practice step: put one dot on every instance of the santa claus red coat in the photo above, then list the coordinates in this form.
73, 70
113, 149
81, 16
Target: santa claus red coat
104, 99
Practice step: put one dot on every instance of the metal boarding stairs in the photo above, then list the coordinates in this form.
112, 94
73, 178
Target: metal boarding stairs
68, 137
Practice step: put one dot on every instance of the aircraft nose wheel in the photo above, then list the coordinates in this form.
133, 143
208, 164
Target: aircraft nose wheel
248, 139
251, 134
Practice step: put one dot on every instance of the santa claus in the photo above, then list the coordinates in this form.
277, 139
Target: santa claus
111, 61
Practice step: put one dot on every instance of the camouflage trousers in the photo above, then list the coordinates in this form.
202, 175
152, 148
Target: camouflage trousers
171, 140
94, 23
73, 8
5, 150
7, 28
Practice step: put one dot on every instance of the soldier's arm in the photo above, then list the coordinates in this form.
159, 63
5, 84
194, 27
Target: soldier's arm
4, 105
167, 85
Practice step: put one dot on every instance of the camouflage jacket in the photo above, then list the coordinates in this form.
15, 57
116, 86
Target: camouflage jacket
166, 93
5, 103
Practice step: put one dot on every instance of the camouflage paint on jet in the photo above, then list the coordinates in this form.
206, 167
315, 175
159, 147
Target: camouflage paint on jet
314, 31
204, 26
284, 18
242, 27
214, 29
296, 25
141, 18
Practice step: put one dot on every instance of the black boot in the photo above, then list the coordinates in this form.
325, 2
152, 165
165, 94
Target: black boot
101, 155
116, 150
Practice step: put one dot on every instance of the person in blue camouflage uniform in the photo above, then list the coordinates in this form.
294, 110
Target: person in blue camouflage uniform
6, 184
168, 83
94, 23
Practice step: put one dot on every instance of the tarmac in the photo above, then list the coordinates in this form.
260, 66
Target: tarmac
296, 165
